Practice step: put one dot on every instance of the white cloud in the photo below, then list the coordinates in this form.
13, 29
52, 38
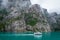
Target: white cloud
37, 1
50, 5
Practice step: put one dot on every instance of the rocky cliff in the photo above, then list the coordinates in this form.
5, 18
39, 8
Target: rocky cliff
23, 16
54, 21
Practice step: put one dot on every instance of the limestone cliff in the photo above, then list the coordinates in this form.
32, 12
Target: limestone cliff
25, 17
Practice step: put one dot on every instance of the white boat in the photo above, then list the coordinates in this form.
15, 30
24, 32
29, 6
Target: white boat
37, 33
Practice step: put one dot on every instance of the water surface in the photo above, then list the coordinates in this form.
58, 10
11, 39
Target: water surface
29, 36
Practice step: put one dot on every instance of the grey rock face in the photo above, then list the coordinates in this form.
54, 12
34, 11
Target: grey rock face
54, 21
1, 4
19, 4
17, 22
20, 22
41, 26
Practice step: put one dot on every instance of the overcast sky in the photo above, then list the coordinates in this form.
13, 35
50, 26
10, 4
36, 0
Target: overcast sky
50, 5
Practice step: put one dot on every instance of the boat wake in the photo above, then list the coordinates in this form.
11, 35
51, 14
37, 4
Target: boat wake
16, 34
37, 36
21, 35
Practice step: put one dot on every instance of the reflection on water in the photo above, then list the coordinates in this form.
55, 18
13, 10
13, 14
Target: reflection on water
38, 36
44, 36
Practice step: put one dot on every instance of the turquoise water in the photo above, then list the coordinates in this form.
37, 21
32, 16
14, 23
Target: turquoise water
29, 36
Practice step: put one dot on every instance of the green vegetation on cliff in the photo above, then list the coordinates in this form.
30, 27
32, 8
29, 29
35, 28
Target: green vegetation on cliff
3, 13
30, 20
